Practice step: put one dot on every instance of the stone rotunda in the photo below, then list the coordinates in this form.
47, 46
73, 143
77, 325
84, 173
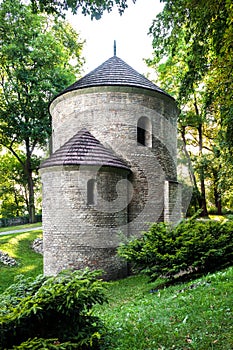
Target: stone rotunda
112, 170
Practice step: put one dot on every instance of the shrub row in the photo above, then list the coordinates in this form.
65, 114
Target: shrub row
191, 246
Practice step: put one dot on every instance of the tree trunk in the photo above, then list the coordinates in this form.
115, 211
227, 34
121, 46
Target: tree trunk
217, 194
31, 197
202, 175
218, 202
196, 191
201, 169
16, 202
25, 195
32, 211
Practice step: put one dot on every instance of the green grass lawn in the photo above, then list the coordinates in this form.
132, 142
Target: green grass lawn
20, 227
196, 315
142, 315
18, 246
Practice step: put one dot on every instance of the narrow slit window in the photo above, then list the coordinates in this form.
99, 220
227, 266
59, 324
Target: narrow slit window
141, 137
91, 192
144, 132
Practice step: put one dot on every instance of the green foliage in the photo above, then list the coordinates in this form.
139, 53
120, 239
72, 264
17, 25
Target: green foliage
191, 246
19, 247
55, 309
13, 185
36, 51
192, 43
48, 344
142, 315
93, 8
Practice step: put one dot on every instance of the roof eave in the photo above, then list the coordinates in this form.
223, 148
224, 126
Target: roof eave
110, 84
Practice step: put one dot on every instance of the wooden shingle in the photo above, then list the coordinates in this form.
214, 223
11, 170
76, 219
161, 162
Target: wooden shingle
84, 149
114, 72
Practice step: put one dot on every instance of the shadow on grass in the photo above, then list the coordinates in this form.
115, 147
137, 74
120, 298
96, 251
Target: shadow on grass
185, 278
19, 246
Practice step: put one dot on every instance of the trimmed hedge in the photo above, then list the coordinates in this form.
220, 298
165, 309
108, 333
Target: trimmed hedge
52, 311
191, 246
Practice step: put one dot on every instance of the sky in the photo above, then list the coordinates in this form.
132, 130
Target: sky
129, 30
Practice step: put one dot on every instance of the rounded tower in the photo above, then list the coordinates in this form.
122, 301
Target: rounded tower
112, 170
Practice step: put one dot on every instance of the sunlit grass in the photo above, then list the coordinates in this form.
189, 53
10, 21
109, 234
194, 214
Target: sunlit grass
28, 268
145, 316
217, 217
18, 246
11, 245
20, 227
195, 315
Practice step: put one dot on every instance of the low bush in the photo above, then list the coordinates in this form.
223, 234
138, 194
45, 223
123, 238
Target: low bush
52, 310
191, 246
48, 344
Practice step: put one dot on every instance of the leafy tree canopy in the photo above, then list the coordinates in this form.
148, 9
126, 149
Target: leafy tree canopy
35, 55
192, 43
40, 55
12, 185
94, 8
206, 29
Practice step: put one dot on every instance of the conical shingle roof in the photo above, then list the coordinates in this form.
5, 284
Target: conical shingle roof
84, 149
114, 72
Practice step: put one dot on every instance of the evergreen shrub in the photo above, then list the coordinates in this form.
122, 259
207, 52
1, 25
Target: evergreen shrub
190, 247
52, 310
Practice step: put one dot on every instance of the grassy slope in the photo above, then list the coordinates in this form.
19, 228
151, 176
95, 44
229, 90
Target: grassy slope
178, 317
196, 315
18, 246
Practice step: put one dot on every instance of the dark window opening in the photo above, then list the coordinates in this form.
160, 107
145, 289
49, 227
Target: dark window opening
144, 132
91, 192
141, 136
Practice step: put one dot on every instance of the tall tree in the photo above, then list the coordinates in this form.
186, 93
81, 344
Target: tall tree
206, 28
13, 185
35, 51
194, 39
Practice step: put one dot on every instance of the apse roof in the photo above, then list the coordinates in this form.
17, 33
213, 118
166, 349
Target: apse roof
84, 149
114, 72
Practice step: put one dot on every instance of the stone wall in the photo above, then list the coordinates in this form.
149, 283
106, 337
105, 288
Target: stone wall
111, 115
172, 201
78, 235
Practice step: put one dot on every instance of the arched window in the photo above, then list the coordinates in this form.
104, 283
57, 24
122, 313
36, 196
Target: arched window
91, 192
144, 132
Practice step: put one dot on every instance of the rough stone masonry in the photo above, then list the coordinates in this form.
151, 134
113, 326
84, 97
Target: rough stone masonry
113, 168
